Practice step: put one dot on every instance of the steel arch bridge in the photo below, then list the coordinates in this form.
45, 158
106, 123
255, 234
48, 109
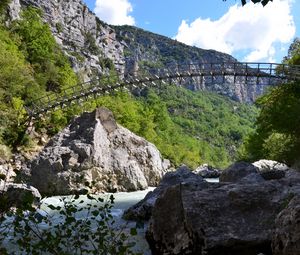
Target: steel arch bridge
249, 74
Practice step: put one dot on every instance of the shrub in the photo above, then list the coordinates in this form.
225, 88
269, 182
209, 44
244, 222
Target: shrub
68, 234
5, 153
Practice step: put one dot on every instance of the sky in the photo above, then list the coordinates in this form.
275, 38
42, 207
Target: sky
251, 33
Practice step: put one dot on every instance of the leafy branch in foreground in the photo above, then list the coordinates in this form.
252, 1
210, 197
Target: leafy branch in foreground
72, 227
263, 2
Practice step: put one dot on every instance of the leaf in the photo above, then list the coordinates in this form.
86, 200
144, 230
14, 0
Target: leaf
90, 197
133, 232
52, 207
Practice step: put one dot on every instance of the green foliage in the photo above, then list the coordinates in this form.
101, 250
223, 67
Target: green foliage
37, 40
59, 27
5, 152
187, 127
106, 63
3, 6
293, 56
31, 65
52, 68
71, 227
277, 135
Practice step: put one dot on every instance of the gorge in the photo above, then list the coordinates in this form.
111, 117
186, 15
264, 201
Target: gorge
167, 137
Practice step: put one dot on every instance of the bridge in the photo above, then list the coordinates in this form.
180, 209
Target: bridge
203, 74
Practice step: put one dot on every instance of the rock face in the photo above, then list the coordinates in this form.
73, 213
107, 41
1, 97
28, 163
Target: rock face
147, 51
229, 218
95, 153
89, 42
142, 211
286, 237
95, 47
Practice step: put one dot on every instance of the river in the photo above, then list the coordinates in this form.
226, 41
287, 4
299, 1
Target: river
123, 200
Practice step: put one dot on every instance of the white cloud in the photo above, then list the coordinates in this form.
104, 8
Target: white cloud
115, 12
251, 28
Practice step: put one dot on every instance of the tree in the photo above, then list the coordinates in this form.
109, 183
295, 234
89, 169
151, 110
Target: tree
263, 2
293, 56
277, 135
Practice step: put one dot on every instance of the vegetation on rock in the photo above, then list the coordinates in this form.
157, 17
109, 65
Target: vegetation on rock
31, 65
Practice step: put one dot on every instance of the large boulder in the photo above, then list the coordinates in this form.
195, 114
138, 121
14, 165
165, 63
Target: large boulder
95, 153
225, 218
142, 211
17, 195
238, 171
270, 169
286, 237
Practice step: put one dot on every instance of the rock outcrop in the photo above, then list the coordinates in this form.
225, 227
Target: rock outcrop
236, 217
17, 195
207, 171
270, 169
142, 211
95, 153
90, 43
147, 51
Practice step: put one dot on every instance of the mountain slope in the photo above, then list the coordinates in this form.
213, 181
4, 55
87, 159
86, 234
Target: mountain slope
95, 48
190, 127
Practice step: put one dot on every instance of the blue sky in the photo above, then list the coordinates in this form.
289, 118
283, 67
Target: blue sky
250, 33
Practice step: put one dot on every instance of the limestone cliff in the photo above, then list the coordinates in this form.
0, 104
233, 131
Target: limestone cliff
95, 47
90, 43
95, 153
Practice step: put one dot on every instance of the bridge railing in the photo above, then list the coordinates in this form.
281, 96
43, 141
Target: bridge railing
247, 73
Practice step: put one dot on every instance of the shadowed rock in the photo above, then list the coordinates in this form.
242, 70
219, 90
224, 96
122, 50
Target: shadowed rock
286, 237
237, 171
229, 218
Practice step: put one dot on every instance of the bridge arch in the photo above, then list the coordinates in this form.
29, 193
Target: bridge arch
202, 74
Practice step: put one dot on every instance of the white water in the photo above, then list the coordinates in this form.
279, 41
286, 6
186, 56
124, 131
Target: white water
123, 200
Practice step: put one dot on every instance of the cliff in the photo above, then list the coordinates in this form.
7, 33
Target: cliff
95, 48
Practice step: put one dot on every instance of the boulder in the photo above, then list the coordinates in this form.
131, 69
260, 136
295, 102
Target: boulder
142, 211
237, 172
95, 153
207, 171
286, 237
18, 195
270, 169
220, 219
